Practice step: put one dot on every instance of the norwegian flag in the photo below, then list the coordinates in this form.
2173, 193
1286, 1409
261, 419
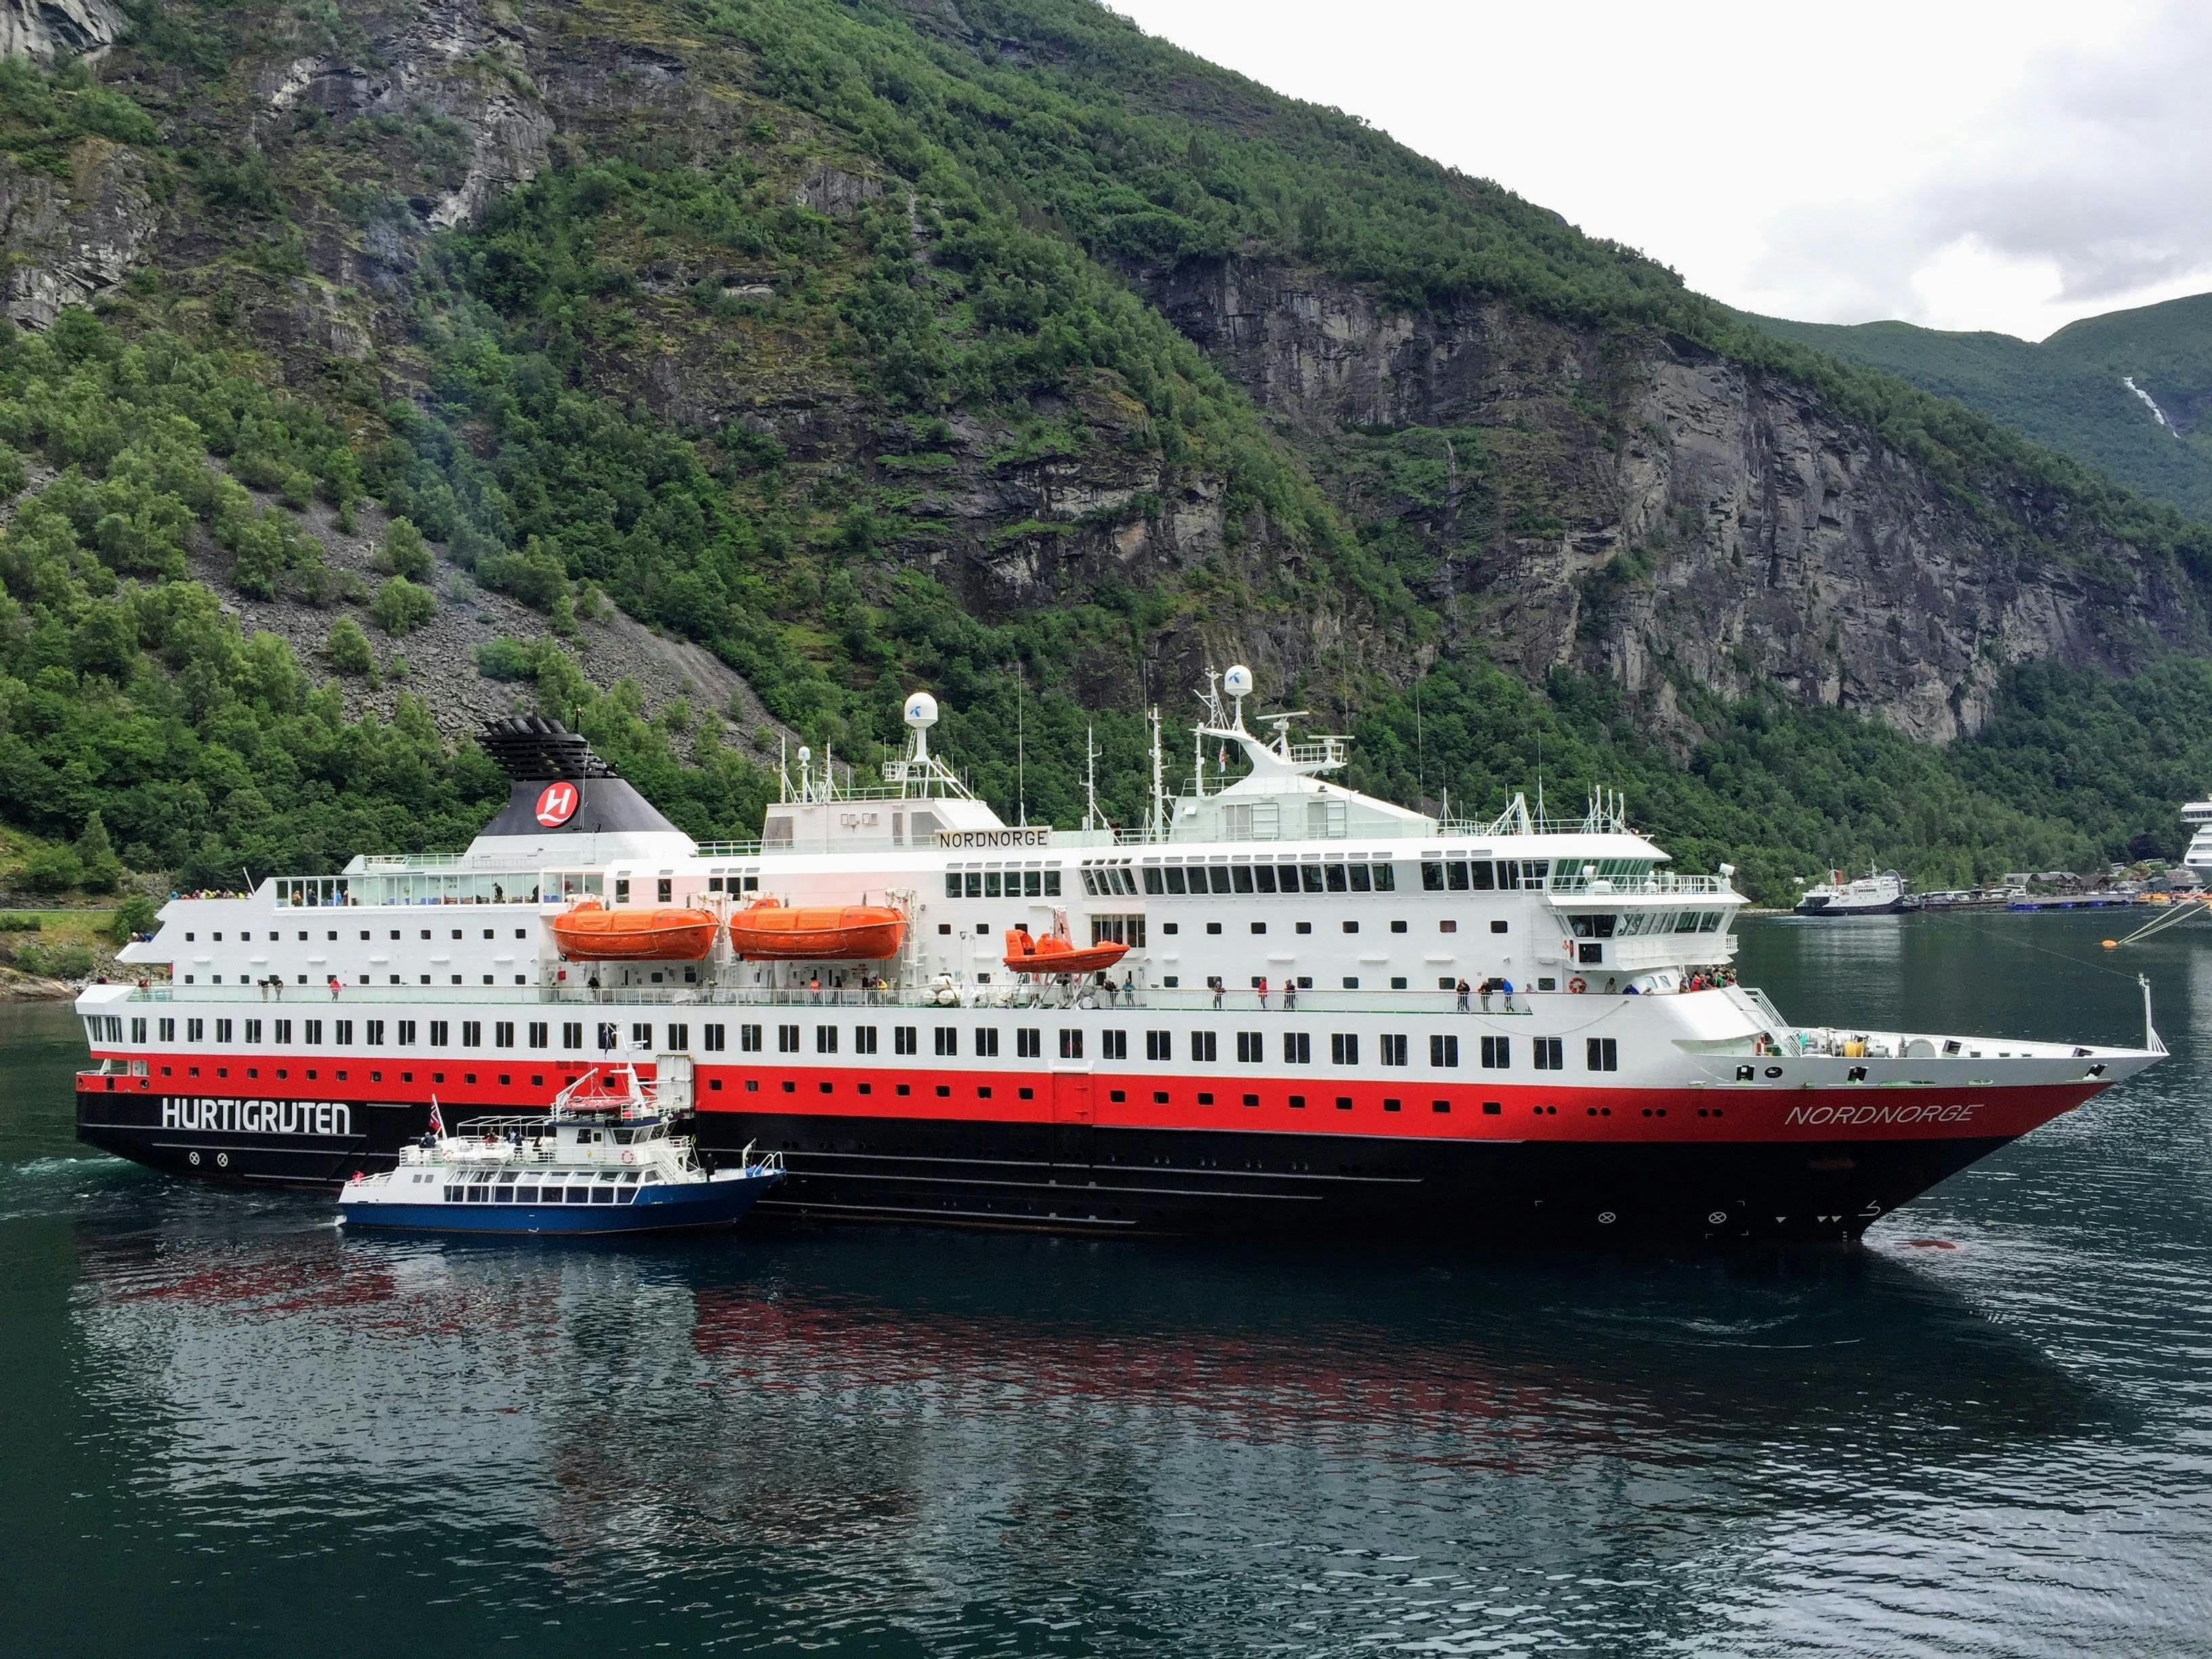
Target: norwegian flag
437, 1122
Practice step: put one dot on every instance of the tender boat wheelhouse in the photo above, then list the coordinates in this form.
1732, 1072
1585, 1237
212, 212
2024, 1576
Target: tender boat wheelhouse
1306, 1023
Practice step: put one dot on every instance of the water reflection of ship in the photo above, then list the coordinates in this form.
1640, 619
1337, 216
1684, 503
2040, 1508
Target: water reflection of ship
803, 1394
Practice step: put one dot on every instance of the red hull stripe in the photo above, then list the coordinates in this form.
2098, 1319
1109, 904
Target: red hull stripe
1275, 1104
1408, 1110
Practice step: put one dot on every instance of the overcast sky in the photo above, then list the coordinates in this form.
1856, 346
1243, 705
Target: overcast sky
2007, 166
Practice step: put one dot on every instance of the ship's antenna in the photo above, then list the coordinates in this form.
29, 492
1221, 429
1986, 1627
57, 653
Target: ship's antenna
1021, 752
1091, 819
783, 762
1421, 753
1160, 781
1540, 777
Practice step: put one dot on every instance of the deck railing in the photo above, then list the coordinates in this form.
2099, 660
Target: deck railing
315, 1002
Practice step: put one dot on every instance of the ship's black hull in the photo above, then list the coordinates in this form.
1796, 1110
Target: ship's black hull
1073, 1178
1077, 1178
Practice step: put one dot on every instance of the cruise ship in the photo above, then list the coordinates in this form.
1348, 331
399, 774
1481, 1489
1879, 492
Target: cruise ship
1323, 1011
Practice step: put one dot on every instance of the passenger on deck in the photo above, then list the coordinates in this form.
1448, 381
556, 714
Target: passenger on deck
1461, 990
1260, 985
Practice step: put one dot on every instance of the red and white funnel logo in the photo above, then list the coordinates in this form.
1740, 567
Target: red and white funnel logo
556, 805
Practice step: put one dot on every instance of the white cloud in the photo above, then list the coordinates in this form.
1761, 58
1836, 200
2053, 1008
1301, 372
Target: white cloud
2009, 166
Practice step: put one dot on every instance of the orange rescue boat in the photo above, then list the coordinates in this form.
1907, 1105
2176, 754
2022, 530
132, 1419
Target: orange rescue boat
591, 933
1055, 953
773, 931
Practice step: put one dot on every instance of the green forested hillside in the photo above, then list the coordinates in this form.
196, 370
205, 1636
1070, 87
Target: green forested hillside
2068, 392
881, 270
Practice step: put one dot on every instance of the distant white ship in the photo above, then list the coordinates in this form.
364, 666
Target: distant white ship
2198, 815
1877, 893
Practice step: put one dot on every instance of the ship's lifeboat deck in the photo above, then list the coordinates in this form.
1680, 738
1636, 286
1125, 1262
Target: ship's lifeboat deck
591, 933
772, 931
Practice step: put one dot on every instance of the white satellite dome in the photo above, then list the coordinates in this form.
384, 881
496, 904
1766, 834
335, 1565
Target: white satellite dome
1237, 682
922, 711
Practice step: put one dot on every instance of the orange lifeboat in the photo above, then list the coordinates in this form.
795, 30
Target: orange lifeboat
1056, 954
591, 933
773, 931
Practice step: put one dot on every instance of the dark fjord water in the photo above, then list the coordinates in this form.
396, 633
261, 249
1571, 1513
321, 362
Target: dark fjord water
228, 1430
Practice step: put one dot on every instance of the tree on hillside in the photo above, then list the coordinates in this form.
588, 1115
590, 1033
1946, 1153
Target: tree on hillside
401, 607
96, 854
347, 650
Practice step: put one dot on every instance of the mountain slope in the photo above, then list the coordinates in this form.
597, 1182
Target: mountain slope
2128, 393
991, 345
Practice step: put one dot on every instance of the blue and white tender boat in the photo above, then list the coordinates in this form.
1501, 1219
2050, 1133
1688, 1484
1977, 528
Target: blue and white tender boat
604, 1159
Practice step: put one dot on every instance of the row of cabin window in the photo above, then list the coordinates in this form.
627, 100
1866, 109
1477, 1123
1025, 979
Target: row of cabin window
1636, 923
664, 889
1109, 881
1002, 883
245, 937
1029, 1041
1483, 875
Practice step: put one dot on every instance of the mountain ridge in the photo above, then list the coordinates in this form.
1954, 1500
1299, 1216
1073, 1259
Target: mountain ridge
862, 356
2070, 391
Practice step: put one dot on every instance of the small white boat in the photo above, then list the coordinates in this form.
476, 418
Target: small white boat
604, 1158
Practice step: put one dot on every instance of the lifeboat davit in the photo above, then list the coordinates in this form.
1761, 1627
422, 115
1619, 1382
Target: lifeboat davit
591, 933
773, 931
1056, 954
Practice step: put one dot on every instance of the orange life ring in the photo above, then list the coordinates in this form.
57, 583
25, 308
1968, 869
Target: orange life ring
1578, 985
630, 1158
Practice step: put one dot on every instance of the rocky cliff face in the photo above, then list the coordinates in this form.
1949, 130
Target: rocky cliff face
1651, 513
1620, 505
69, 240
51, 30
